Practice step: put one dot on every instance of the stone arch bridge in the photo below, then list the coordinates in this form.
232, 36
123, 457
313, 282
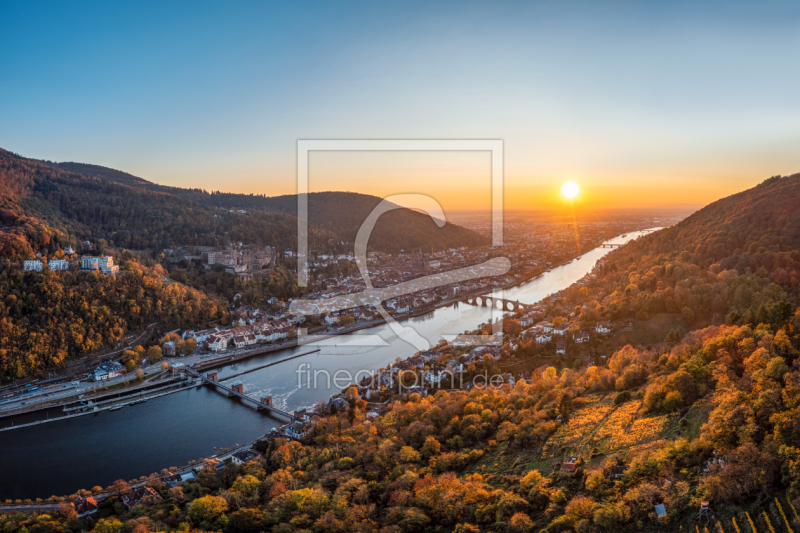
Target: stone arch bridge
498, 303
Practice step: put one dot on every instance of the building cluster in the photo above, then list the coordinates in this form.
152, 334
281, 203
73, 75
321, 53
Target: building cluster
103, 264
36, 265
533, 248
239, 260
242, 334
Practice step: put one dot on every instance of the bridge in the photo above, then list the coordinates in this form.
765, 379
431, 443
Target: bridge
498, 303
236, 390
609, 245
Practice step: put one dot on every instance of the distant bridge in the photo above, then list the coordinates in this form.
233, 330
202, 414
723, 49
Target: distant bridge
609, 245
237, 391
499, 303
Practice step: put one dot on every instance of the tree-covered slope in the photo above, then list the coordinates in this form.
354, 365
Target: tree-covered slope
45, 203
340, 212
737, 259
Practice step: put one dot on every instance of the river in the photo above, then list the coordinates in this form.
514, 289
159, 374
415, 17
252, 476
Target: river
62, 457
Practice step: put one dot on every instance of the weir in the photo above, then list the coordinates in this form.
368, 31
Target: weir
238, 392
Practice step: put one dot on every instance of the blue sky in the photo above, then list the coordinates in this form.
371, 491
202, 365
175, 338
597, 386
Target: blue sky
633, 100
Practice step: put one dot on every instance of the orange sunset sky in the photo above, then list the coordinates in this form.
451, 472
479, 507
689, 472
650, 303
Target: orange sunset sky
642, 104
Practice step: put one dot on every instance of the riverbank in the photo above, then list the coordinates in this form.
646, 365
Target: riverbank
200, 361
89, 451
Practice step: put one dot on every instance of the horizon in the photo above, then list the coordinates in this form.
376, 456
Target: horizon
634, 103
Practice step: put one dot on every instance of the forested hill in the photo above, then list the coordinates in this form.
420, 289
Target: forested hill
737, 259
105, 173
43, 207
748, 226
339, 212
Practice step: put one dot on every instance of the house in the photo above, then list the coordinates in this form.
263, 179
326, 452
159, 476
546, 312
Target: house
104, 264
525, 321
297, 430
508, 378
245, 456
545, 327
108, 370
85, 507
543, 338
603, 327
174, 479
217, 343
580, 337
618, 471
200, 336
168, 349
561, 330
32, 265
340, 403
332, 319
140, 495
569, 467
561, 347
464, 340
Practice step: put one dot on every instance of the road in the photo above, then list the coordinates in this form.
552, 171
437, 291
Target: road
44, 399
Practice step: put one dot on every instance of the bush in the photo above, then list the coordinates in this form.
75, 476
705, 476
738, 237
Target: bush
622, 397
345, 463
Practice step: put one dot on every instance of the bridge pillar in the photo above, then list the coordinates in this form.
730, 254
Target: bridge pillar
267, 401
238, 387
213, 376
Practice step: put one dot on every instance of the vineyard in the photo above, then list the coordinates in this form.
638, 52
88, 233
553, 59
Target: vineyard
776, 518
600, 427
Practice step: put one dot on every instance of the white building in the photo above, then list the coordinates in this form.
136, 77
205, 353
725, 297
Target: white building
525, 321
104, 264
215, 344
561, 347
108, 370
580, 337
603, 327
464, 340
32, 265
243, 457
58, 264
561, 330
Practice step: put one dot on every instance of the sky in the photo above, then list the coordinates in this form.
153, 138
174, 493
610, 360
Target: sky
643, 104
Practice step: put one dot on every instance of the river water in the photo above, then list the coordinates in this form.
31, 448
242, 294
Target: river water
62, 457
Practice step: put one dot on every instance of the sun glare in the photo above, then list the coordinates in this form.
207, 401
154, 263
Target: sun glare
570, 189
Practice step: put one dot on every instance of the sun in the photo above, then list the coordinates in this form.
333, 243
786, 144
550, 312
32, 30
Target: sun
570, 189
